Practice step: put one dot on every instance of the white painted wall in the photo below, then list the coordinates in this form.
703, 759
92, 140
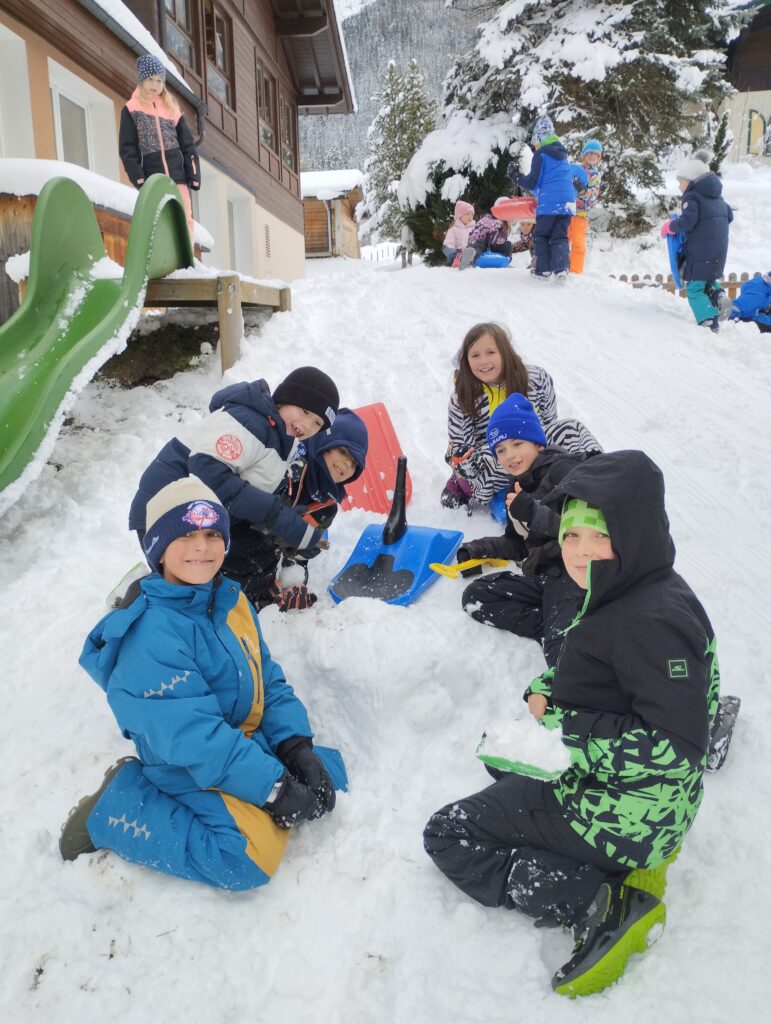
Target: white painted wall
16, 135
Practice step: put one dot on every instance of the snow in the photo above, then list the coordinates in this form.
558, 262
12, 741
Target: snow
357, 923
26, 177
330, 184
128, 21
347, 8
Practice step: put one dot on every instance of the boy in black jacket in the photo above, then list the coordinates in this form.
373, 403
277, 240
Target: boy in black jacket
633, 693
540, 603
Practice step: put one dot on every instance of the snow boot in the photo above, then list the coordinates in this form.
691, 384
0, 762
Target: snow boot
456, 261
619, 921
722, 731
652, 880
467, 257
456, 494
75, 839
561, 277
713, 323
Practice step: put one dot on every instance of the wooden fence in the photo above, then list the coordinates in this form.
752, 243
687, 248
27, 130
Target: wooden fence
731, 284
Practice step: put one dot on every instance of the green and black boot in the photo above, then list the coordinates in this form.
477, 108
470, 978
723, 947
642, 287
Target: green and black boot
620, 921
75, 839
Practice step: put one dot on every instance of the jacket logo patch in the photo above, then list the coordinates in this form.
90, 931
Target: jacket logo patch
229, 447
677, 668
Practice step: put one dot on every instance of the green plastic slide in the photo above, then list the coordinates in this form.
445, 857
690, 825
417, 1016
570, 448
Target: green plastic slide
71, 321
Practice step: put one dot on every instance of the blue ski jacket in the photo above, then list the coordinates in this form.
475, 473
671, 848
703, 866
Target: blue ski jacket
242, 451
704, 218
192, 683
551, 179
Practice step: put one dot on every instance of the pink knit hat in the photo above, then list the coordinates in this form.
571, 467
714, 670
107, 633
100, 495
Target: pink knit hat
462, 207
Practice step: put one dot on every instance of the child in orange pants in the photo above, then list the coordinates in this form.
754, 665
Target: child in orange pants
591, 157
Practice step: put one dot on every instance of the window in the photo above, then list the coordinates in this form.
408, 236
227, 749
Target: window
180, 31
219, 33
71, 129
288, 135
266, 108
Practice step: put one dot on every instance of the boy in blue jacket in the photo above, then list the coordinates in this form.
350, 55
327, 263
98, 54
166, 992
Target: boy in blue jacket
551, 179
704, 219
225, 759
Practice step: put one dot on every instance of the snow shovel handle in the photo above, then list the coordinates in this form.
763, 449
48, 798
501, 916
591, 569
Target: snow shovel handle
452, 572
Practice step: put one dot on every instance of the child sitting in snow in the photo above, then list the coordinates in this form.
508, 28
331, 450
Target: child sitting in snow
754, 302
526, 241
633, 693
225, 761
314, 487
456, 239
489, 369
591, 159
541, 603
704, 219
154, 136
242, 451
489, 234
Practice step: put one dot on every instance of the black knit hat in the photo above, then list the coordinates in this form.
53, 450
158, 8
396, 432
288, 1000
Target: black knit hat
310, 389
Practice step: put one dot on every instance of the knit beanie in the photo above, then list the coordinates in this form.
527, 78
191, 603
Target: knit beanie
696, 166
310, 389
179, 508
576, 512
543, 128
591, 146
149, 65
515, 419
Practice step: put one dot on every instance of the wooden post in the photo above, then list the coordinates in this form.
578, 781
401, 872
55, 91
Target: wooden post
285, 300
231, 321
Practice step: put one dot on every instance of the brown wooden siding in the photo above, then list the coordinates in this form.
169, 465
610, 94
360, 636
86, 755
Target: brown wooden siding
316, 240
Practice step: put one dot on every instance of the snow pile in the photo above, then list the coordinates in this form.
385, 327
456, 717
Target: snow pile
24, 177
330, 184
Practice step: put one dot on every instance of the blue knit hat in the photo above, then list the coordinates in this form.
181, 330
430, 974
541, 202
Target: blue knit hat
543, 128
149, 65
592, 146
515, 419
178, 509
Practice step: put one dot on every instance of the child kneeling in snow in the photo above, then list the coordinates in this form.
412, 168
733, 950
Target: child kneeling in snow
225, 761
634, 692
541, 602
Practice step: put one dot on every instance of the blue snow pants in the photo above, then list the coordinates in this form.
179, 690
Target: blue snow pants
552, 249
699, 301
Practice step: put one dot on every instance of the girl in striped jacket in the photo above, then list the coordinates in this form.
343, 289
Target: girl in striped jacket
488, 371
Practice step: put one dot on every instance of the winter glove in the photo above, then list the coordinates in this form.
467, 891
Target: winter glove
298, 755
666, 229
520, 508
296, 598
464, 553
294, 802
512, 171
468, 464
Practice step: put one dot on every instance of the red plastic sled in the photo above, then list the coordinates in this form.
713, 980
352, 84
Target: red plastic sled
517, 208
373, 491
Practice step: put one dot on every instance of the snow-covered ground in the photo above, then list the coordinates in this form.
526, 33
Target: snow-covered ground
357, 924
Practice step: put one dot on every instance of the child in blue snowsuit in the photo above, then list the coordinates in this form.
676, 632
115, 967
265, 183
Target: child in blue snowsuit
225, 764
754, 302
704, 219
242, 451
551, 179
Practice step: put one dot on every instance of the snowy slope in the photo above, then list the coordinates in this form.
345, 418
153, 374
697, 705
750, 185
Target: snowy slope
357, 924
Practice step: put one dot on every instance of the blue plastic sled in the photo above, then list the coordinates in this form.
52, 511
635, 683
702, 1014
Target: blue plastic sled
498, 506
676, 251
396, 573
492, 259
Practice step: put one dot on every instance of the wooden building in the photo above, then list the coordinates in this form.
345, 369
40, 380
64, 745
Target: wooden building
749, 70
330, 199
242, 70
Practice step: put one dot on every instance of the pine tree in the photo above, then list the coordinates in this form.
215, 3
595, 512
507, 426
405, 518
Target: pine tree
644, 76
404, 119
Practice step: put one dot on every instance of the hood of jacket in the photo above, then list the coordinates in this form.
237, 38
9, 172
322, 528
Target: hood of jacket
462, 207
348, 431
103, 643
629, 489
555, 150
708, 185
254, 394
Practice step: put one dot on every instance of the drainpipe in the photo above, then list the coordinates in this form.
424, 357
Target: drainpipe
328, 208
97, 11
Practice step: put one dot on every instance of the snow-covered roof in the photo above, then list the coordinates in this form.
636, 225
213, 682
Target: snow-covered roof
133, 27
23, 177
330, 184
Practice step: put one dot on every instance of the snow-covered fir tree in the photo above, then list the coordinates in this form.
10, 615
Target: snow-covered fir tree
405, 117
643, 76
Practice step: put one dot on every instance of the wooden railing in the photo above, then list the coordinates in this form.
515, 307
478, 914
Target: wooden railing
731, 284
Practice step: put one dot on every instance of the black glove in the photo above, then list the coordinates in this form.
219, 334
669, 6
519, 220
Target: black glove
298, 755
295, 802
521, 508
462, 555
296, 598
512, 171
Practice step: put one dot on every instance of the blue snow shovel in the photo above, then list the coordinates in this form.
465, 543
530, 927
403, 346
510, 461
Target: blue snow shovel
676, 251
392, 563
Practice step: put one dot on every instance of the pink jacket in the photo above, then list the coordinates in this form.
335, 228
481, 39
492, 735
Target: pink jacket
457, 235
